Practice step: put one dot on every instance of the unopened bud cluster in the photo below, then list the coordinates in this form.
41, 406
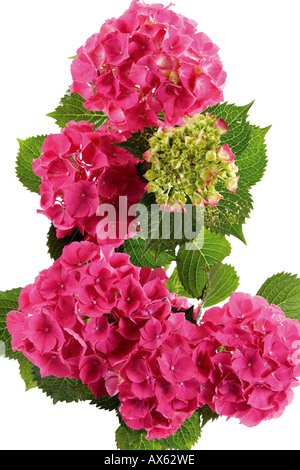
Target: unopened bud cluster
188, 161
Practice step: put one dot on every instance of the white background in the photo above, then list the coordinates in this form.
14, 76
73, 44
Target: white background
259, 45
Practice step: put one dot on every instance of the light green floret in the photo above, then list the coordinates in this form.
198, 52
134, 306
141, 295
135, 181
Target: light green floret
188, 161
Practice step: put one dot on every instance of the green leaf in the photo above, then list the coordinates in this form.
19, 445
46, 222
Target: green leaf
61, 389
230, 213
252, 161
239, 130
222, 281
106, 403
248, 144
71, 109
206, 415
135, 247
9, 301
175, 286
130, 439
29, 150
186, 436
26, 373
194, 264
164, 231
184, 439
189, 315
283, 289
161, 116
56, 245
138, 143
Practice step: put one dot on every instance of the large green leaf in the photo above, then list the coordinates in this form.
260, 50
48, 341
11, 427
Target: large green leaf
61, 389
283, 289
236, 118
184, 439
26, 373
165, 231
248, 144
228, 216
252, 161
71, 109
106, 402
174, 285
29, 150
222, 281
195, 264
135, 247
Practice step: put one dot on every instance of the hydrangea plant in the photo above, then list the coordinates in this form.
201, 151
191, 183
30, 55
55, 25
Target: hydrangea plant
134, 324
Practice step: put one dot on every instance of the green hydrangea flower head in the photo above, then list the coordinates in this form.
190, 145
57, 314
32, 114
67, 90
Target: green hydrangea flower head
188, 161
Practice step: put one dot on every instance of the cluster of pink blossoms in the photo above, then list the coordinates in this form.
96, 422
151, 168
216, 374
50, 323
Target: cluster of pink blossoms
94, 316
81, 169
149, 60
257, 362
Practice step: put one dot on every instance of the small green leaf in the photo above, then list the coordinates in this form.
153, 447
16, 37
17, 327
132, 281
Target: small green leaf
26, 373
71, 109
195, 264
30, 149
138, 143
9, 301
184, 439
189, 315
283, 289
56, 245
161, 116
206, 415
222, 281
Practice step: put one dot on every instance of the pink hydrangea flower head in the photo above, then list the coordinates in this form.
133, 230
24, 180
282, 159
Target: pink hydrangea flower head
253, 356
81, 172
95, 317
148, 60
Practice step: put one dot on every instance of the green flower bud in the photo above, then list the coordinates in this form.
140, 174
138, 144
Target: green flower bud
211, 156
162, 200
186, 161
151, 175
152, 188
